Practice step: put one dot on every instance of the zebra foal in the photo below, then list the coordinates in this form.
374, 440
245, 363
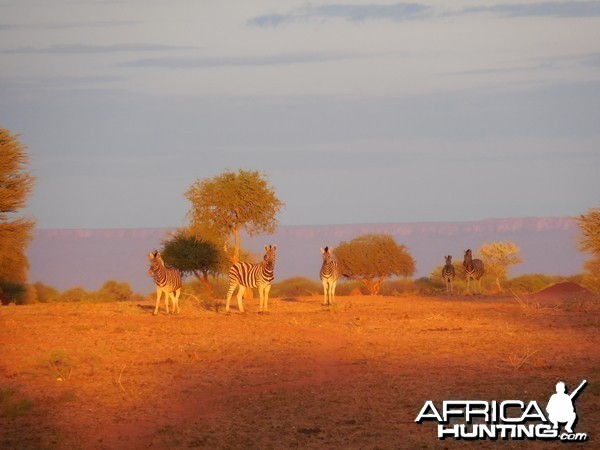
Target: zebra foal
448, 274
247, 275
473, 270
166, 280
329, 275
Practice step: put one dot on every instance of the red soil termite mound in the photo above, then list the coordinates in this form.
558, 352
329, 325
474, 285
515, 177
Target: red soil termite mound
566, 290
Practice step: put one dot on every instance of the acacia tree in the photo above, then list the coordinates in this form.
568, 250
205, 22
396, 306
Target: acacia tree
16, 184
497, 256
371, 258
192, 255
224, 205
589, 241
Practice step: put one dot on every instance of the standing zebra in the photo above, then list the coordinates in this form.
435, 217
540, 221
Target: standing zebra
253, 275
448, 274
473, 270
166, 280
329, 275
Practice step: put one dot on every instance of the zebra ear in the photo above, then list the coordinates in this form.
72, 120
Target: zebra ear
322, 250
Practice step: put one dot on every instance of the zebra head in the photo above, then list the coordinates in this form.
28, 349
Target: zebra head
468, 258
156, 261
269, 258
326, 254
448, 259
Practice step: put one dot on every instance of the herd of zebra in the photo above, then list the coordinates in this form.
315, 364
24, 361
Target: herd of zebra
261, 276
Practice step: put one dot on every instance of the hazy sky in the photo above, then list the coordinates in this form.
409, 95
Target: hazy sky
356, 112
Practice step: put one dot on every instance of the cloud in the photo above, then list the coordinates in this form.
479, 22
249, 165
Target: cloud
352, 13
411, 11
88, 49
541, 9
266, 60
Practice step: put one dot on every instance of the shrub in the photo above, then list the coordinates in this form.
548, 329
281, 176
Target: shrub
12, 292
296, 287
45, 293
76, 294
113, 291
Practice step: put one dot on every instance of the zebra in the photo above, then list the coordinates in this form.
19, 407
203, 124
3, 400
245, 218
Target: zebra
473, 270
253, 275
329, 275
448, 274
166, 280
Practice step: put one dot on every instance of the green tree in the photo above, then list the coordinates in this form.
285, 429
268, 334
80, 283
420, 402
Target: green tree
371, 258
192, 255
224, 205
16, 184
497, 257
589, 241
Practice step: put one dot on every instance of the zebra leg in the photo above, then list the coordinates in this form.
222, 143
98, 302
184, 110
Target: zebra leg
266, 297
332, 293
232, 287
325, 288
176, 301
240, 295
261, 296
158, 294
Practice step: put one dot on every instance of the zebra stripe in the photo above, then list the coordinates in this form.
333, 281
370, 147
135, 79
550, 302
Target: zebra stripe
247, 275
329, 275
448, 274
473, 270
166, 280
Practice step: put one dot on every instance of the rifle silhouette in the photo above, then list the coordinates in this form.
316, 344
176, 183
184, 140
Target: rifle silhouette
576, 391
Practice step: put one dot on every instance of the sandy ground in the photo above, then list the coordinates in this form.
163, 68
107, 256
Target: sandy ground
352, 376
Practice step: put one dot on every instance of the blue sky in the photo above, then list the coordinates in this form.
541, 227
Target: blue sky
356, 112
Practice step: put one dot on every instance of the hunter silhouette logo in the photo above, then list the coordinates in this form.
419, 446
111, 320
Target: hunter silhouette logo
508, 419
560, 406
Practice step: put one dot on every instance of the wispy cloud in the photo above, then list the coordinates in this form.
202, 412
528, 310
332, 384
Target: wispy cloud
68, 25
267, 60
412, 11
540, 9
82, 48
351, 13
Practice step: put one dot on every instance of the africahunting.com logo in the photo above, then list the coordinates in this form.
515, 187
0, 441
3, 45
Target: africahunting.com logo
508, 419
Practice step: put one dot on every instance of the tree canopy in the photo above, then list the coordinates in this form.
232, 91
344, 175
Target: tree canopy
371, 258
224, 205
16, 184
192, 256
589, 241
497, 257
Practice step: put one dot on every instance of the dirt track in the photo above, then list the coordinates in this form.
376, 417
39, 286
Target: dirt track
104, 376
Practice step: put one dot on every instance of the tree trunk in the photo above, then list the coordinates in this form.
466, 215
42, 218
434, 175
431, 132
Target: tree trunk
498, 284
235, 258
204, 280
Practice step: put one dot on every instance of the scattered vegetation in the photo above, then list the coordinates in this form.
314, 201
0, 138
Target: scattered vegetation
518, 360
111, 291
13, 405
